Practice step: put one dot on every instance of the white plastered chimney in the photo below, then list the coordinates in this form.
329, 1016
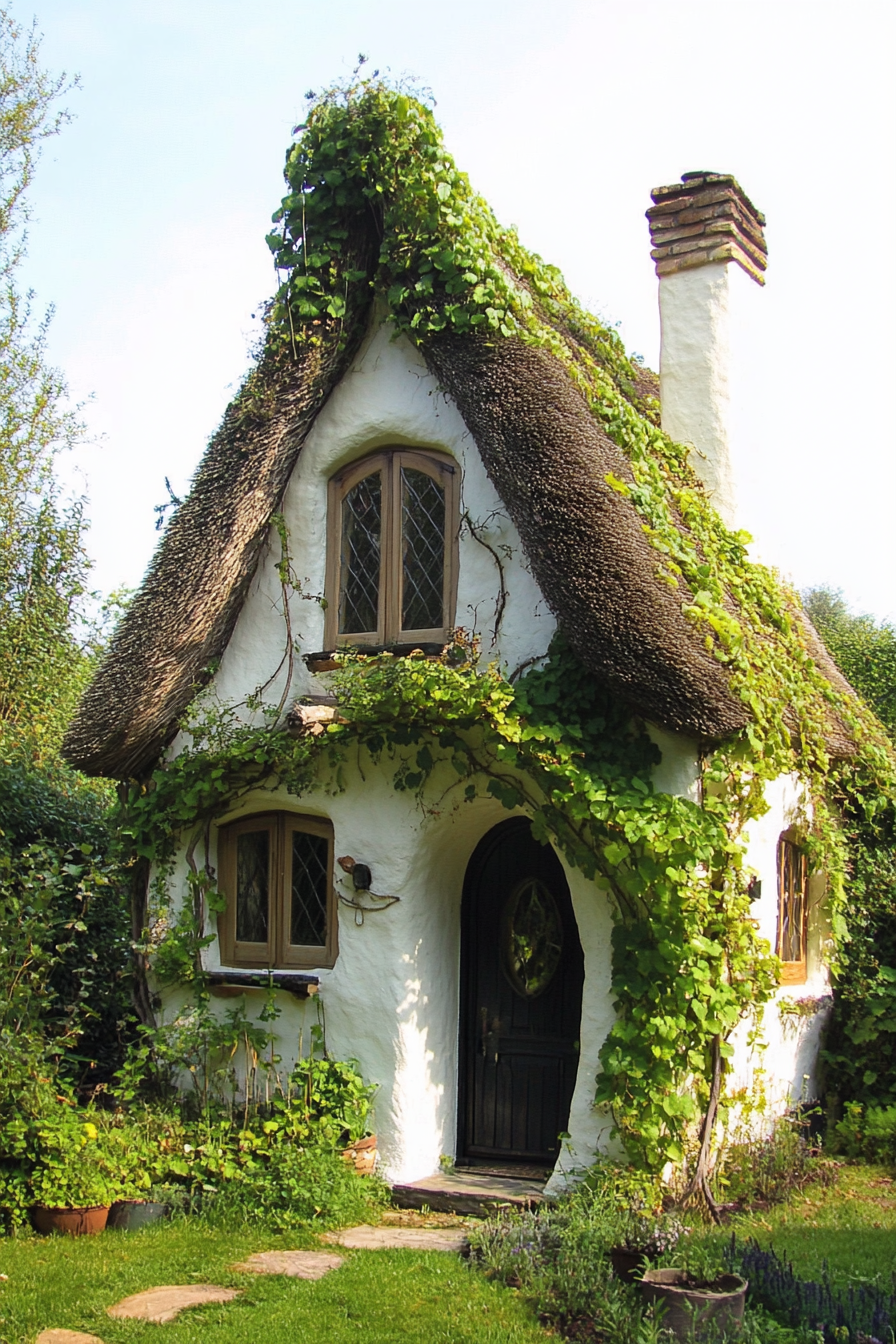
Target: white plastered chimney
698, 228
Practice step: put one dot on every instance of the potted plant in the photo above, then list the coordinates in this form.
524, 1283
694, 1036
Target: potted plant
700, 1297
135, 1157
641, 1235
71, 1184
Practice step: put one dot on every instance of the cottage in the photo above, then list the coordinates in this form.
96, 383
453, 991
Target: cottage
412, 458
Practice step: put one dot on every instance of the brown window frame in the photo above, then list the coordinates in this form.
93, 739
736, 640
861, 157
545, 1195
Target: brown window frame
792, 972
277, 953
389, 461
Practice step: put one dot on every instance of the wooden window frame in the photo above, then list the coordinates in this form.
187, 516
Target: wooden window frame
389, 461
277, 953
792, 972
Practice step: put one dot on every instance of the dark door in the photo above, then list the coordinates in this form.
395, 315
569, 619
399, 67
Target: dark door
521, 1000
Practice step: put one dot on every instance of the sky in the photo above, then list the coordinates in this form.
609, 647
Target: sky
150, 212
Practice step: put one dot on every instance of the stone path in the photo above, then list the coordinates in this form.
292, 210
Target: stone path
66, 1337
399, 1238
295, 1264
163, 1304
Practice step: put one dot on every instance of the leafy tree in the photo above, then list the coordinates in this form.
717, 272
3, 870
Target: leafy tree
864, 650
42, 561
63, 926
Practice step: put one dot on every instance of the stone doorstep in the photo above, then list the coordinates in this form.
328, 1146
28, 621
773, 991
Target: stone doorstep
294, 1264
469, 1193
163, 1304
366, 1238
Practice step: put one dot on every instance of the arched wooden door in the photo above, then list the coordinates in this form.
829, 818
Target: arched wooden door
522, 971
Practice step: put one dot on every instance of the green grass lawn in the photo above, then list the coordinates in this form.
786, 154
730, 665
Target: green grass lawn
409, 1297
851, 1225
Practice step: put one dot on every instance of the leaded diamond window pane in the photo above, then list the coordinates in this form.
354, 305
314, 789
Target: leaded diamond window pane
253, 855
308, 915
423, 551
359, 589
793, 899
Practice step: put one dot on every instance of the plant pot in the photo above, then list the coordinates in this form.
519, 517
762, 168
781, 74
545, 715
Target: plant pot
692, 1312
128, 1214
362, 1155
627, 1264
69, 1222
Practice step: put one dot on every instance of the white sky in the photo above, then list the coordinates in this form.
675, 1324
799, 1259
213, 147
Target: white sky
151, 211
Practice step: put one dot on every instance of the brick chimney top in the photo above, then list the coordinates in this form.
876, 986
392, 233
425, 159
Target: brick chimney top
706, 217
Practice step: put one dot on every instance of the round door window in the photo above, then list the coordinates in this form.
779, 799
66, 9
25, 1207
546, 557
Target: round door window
532, 937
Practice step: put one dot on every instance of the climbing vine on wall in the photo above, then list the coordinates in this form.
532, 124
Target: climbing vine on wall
687, 962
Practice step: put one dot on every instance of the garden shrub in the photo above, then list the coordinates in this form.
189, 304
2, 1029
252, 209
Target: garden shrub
867, 1132
280, 1161
767, 1169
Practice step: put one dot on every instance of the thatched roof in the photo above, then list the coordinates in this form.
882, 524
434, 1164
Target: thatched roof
546, 453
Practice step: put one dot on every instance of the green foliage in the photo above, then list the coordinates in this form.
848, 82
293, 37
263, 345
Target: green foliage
688, 965
768, 1169
867, 1132
861, 1041
42, 562
63, 963
863, 649
558, 1256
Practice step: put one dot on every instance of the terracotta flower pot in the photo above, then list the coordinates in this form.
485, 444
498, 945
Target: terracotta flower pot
69, 1222
129, 1214
691, 1312
362, 1155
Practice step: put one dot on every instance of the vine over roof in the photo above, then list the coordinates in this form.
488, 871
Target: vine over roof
651, 590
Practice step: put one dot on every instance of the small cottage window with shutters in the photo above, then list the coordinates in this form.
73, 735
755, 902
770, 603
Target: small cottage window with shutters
793, 910
391, 550
276, 872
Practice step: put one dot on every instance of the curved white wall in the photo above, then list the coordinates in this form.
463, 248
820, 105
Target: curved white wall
391, 999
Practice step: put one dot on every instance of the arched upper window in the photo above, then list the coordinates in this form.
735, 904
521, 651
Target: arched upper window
391, 549
793, 910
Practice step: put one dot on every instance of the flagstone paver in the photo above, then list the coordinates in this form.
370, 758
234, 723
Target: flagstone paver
400, 1238
163, 1304
296, 1264
66, 1337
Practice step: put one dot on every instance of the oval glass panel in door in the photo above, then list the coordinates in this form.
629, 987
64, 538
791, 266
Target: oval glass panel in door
532, 935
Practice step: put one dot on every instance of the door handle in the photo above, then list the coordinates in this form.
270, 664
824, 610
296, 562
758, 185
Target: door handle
490, 1036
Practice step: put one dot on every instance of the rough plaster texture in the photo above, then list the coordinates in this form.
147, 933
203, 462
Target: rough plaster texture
388, 397
695, 384
392, 998
781, 1064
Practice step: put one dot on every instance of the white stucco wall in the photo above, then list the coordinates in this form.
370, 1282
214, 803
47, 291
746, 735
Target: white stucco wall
695, 371
387, 397
391, 999
780, 1063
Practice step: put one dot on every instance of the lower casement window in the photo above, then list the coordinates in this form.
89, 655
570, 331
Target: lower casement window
275, 871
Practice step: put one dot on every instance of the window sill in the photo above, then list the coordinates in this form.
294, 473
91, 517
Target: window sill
228, 984
329, 661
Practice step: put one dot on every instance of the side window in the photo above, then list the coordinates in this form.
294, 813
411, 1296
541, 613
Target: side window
276, 872
793, 912
391, 550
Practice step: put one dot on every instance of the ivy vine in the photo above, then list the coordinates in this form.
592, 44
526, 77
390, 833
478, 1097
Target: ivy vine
688, 964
